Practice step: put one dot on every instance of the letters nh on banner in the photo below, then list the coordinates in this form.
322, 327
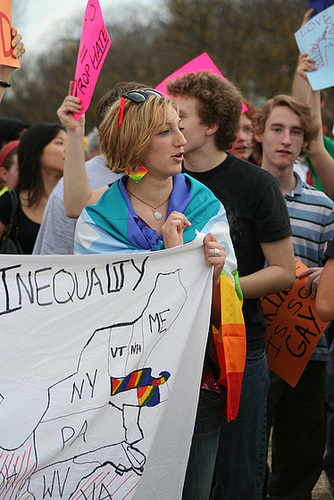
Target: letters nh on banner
293, 330
94, 45
100, 366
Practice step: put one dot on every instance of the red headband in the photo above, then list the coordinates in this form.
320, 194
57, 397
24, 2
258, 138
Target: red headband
6, 150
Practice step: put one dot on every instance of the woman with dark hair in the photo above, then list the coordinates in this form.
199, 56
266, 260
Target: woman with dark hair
41, 156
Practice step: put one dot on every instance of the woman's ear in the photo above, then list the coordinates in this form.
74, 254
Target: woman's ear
3, 174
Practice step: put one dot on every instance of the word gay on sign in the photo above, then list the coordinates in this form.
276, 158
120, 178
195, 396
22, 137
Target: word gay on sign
293, 330
94, 45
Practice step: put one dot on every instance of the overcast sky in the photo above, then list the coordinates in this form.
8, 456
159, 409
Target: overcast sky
41, 16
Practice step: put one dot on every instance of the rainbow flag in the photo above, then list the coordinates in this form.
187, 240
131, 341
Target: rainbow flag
230, 342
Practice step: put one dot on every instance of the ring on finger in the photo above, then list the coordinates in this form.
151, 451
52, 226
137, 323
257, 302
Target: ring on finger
216, 252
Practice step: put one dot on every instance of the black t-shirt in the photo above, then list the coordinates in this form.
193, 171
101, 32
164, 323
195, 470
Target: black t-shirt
257, 213
329, 252
28, 229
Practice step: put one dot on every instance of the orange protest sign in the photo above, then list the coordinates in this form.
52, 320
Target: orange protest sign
6, 57
293, 330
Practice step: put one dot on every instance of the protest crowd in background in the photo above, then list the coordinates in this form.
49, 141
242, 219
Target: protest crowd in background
264, 178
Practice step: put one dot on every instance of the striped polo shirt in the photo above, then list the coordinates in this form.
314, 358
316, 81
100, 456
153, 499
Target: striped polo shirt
312, 224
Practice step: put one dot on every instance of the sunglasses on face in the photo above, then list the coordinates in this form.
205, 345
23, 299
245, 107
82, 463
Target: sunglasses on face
136, 96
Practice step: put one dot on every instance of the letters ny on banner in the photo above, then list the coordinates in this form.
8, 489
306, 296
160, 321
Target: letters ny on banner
293, 330
94, 45
100, 366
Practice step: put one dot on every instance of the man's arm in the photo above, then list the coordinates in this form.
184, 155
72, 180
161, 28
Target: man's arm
321, 160
277, 276
324, 301
299, 85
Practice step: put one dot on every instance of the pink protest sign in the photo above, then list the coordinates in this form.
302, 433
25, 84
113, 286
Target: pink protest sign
6, 57
94, 45
200, 63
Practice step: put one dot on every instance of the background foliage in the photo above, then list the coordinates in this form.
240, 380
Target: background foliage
251, 41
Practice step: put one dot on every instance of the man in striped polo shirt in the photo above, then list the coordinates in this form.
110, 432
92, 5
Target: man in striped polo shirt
284, 130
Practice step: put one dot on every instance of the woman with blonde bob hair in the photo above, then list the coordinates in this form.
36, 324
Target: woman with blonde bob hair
152, 206
123, 147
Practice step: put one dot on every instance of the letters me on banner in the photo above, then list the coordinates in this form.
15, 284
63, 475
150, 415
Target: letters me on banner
94, 45
100, 365
6, 51
293, 330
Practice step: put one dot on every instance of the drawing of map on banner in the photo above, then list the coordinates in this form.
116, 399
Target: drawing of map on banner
100, 366
6, 50
293, 330
316, 38
200, 63
94, 45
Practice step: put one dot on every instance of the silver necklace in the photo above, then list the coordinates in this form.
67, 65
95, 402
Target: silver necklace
157, 215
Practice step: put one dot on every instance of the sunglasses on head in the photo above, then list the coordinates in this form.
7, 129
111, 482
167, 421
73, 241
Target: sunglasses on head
136, 96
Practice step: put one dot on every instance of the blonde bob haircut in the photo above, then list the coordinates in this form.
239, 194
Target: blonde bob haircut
124, 148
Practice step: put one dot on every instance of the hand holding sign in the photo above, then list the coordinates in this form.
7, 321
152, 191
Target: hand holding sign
294, 327
94, 45
6, 35
316, 38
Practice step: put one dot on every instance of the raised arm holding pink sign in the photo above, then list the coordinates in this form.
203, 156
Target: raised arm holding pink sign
94, 45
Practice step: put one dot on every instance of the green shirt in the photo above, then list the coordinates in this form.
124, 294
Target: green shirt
329, 145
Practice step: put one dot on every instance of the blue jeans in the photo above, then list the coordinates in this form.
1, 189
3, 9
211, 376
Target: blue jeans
204, 446
241, 458
329, 456
298, 415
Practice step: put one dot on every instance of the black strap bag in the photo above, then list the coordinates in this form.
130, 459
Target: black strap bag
9, 242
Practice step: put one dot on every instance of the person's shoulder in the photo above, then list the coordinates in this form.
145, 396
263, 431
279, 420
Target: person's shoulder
245, 165
58, 191
98, 173
7, 198
244, 170
316, 195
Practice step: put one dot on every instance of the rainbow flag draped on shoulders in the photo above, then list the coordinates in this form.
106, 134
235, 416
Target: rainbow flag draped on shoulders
112, 226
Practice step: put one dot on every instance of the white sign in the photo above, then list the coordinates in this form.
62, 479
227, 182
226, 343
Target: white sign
100, 366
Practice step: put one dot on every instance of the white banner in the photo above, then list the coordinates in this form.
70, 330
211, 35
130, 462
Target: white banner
100, 365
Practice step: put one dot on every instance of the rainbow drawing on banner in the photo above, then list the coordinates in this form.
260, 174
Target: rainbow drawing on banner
147, 386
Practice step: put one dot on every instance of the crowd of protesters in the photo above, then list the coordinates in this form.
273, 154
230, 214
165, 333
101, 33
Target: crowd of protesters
271, 170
